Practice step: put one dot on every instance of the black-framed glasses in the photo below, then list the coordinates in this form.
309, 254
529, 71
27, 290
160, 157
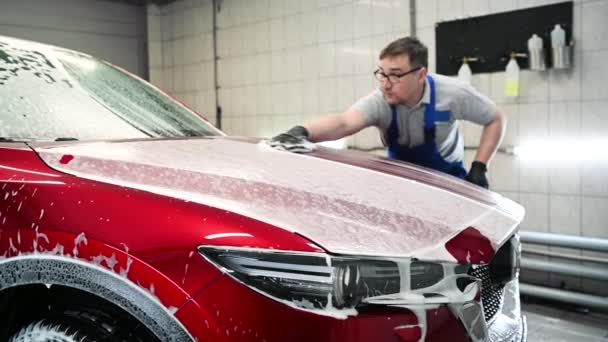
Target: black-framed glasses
393, 78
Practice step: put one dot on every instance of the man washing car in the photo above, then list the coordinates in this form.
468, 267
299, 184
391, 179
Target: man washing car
416, 114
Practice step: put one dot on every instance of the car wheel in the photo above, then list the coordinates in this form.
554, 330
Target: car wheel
53, 330
80, 326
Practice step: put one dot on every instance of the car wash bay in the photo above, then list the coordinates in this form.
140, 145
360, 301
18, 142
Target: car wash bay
259, 67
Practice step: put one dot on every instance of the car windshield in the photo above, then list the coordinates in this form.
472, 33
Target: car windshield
53, 94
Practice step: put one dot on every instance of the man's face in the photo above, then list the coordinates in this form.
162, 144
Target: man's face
408, 88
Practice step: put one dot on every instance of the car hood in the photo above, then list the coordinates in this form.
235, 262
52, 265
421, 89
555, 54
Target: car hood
338, 200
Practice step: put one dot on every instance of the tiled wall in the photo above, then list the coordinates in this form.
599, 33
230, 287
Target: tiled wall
181, 53
560, 197
108, 30
282, 62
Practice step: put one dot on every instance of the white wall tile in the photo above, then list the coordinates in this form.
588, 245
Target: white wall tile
362, 19
533, 86
327, 95
564, 119
310, 62
278, 66
450, 10
594, 179
265, 99
594, 26
292, 7
595, 216
178, 78
497, 88
277, 34
565, 178
311, 96
565, 84
344, 58
293, 28
344, 21
426, 13
327, 66
155, 54
504, 173
503, 5
166, 27
262, 37
345, 93
537, 212
594, 119
279, 94
381, 10
168, 79
565, 214
178, 52
157, 77
536, 3
427, 37
363, 56
594, 86
306, 6
294, 98
294, 65
533, 177
327, 29
474, 8
309, 28
533, 121
401, 18
276, 8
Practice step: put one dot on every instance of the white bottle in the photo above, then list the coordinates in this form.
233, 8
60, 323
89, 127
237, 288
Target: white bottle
561, 54
512, 77
536, 53
558, 37
465, 73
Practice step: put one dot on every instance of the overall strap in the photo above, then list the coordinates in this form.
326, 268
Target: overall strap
431, 115
393, 129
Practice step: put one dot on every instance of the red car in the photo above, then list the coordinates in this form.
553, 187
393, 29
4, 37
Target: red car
124, 216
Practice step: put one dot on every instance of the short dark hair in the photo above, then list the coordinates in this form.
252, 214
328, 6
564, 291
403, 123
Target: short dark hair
412, 47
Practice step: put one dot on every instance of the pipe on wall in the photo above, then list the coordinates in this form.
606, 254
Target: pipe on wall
591, 301
564, 268
569, 241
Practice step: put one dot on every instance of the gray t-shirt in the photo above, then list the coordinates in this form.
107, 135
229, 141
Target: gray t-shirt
462, 100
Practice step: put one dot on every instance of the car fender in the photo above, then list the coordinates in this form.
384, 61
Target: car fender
59, 258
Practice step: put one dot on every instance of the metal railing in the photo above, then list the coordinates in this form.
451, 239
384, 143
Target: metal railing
565, 268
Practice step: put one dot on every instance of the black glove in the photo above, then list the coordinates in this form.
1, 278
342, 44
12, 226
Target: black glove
294, 140
477, 174
294, 135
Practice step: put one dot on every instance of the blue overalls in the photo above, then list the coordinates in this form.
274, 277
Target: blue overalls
426, 154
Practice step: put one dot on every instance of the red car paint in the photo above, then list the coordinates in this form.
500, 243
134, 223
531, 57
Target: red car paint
159, 234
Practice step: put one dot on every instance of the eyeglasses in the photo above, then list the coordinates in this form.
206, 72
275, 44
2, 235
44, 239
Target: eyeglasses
393, 78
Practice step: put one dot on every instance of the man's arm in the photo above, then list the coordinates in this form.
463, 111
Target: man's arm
336, 126
491, 137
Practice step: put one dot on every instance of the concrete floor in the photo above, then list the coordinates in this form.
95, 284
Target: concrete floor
550, 322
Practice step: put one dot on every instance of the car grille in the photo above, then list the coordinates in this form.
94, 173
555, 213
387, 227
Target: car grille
491, 294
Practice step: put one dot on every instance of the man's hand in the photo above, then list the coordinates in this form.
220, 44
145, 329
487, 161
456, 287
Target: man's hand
477, 174
294, 140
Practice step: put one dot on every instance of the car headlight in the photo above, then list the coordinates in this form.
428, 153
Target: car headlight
318, 280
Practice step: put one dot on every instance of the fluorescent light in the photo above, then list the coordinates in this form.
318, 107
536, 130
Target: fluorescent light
564, 150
